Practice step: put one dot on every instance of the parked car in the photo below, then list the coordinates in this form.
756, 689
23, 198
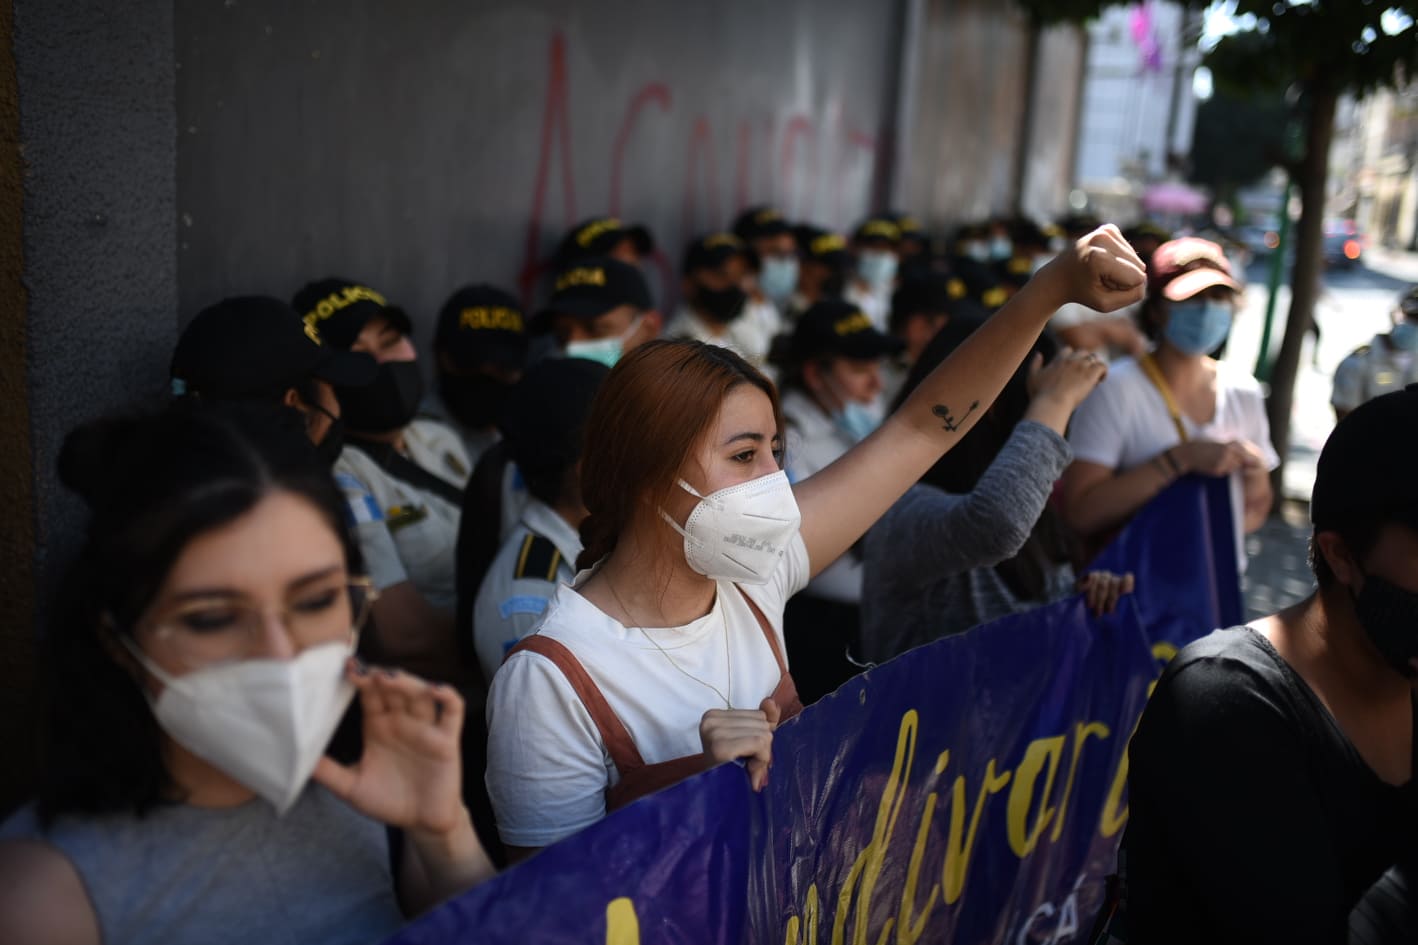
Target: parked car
1343, 244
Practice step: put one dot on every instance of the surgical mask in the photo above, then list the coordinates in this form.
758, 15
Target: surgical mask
387, 403
474, 400
1405, 336
1198, 327
605, 351
720, 305
263, 722
877, 268
778, 278
1389, 615
977, 250
1001, 249
856, 420
739, 534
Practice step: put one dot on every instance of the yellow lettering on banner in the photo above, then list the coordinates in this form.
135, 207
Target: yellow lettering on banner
1081, 731
1022, 838
1115, 812
908, 928
844, 898
957, 852
1162, 651
808, 923
622, 924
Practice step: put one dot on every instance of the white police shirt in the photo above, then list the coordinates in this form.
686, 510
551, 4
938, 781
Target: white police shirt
407, 533
1374, 369
750, 335
534, 559
814, 442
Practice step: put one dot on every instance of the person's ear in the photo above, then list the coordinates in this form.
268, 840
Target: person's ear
291, 398
654, 323
1337, 555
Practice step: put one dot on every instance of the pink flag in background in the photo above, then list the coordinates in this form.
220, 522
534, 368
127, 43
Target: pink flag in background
1144, 35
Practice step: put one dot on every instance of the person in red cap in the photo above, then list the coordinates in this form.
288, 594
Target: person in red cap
1174, 410
1271, 779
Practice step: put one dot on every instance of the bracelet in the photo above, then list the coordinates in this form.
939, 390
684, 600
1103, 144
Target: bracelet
1161, 467
1172, 463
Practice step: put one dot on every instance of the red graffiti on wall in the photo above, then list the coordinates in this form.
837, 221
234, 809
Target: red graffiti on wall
795, 185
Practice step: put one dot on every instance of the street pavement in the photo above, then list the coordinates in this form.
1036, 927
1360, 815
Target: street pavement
1354, 305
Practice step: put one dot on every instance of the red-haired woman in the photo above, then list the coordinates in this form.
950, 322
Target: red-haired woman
665, 656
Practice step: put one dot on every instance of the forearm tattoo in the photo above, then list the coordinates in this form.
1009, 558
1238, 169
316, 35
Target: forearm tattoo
948, 419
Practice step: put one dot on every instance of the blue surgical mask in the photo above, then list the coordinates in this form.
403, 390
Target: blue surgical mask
605, 351
778, 278
1405, 336
1001, 248
977, 250
856, 420
1198, 327
877, 268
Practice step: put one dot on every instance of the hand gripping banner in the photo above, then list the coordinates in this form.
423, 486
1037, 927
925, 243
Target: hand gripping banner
971, 791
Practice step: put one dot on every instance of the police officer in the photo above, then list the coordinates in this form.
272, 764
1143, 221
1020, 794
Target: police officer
605, 236
542, 429
876, 242
402, 477
920, 308
600, 308
773, 253
716, 309
480, 350
823, 271
255, 348
1386, 364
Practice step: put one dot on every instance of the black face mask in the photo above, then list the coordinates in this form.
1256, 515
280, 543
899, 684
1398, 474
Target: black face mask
834, 285
1389, 615
328, 449
387, 403
721, 305
474, 400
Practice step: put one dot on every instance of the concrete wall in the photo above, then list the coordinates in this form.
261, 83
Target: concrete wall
420, 152
968, 112
98, 145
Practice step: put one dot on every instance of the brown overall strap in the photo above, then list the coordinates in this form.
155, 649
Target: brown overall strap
624, 755
786, 695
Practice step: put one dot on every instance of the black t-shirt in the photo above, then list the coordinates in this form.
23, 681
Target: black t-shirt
1252, 817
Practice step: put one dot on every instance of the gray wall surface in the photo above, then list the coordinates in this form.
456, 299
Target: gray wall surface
97, 133
453, 142
95, 150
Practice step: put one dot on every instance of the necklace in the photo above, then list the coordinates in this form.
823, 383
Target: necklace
728, 659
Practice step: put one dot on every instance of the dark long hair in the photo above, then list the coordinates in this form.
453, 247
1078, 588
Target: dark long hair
1049, 543
152, 483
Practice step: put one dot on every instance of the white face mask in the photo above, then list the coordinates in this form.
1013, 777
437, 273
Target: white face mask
740, 533
264, 722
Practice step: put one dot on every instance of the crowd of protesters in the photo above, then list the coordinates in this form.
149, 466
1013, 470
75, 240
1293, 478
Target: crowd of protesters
629, 544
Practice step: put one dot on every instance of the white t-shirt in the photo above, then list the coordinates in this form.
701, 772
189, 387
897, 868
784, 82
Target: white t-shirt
406, 533
1125, 423
548, 768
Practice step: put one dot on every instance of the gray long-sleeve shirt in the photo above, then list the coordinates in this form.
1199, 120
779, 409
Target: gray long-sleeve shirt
928, 564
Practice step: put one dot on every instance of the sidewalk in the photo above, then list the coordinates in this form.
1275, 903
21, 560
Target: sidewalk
1278, 573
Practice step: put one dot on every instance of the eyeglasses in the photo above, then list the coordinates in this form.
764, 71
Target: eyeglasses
207, 632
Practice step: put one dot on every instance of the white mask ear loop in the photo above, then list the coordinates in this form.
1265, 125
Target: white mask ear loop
666, 516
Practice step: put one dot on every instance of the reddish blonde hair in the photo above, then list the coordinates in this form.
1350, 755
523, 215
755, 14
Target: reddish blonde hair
645, 422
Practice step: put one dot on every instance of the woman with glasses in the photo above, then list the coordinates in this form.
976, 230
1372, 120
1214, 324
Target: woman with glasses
199, 660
